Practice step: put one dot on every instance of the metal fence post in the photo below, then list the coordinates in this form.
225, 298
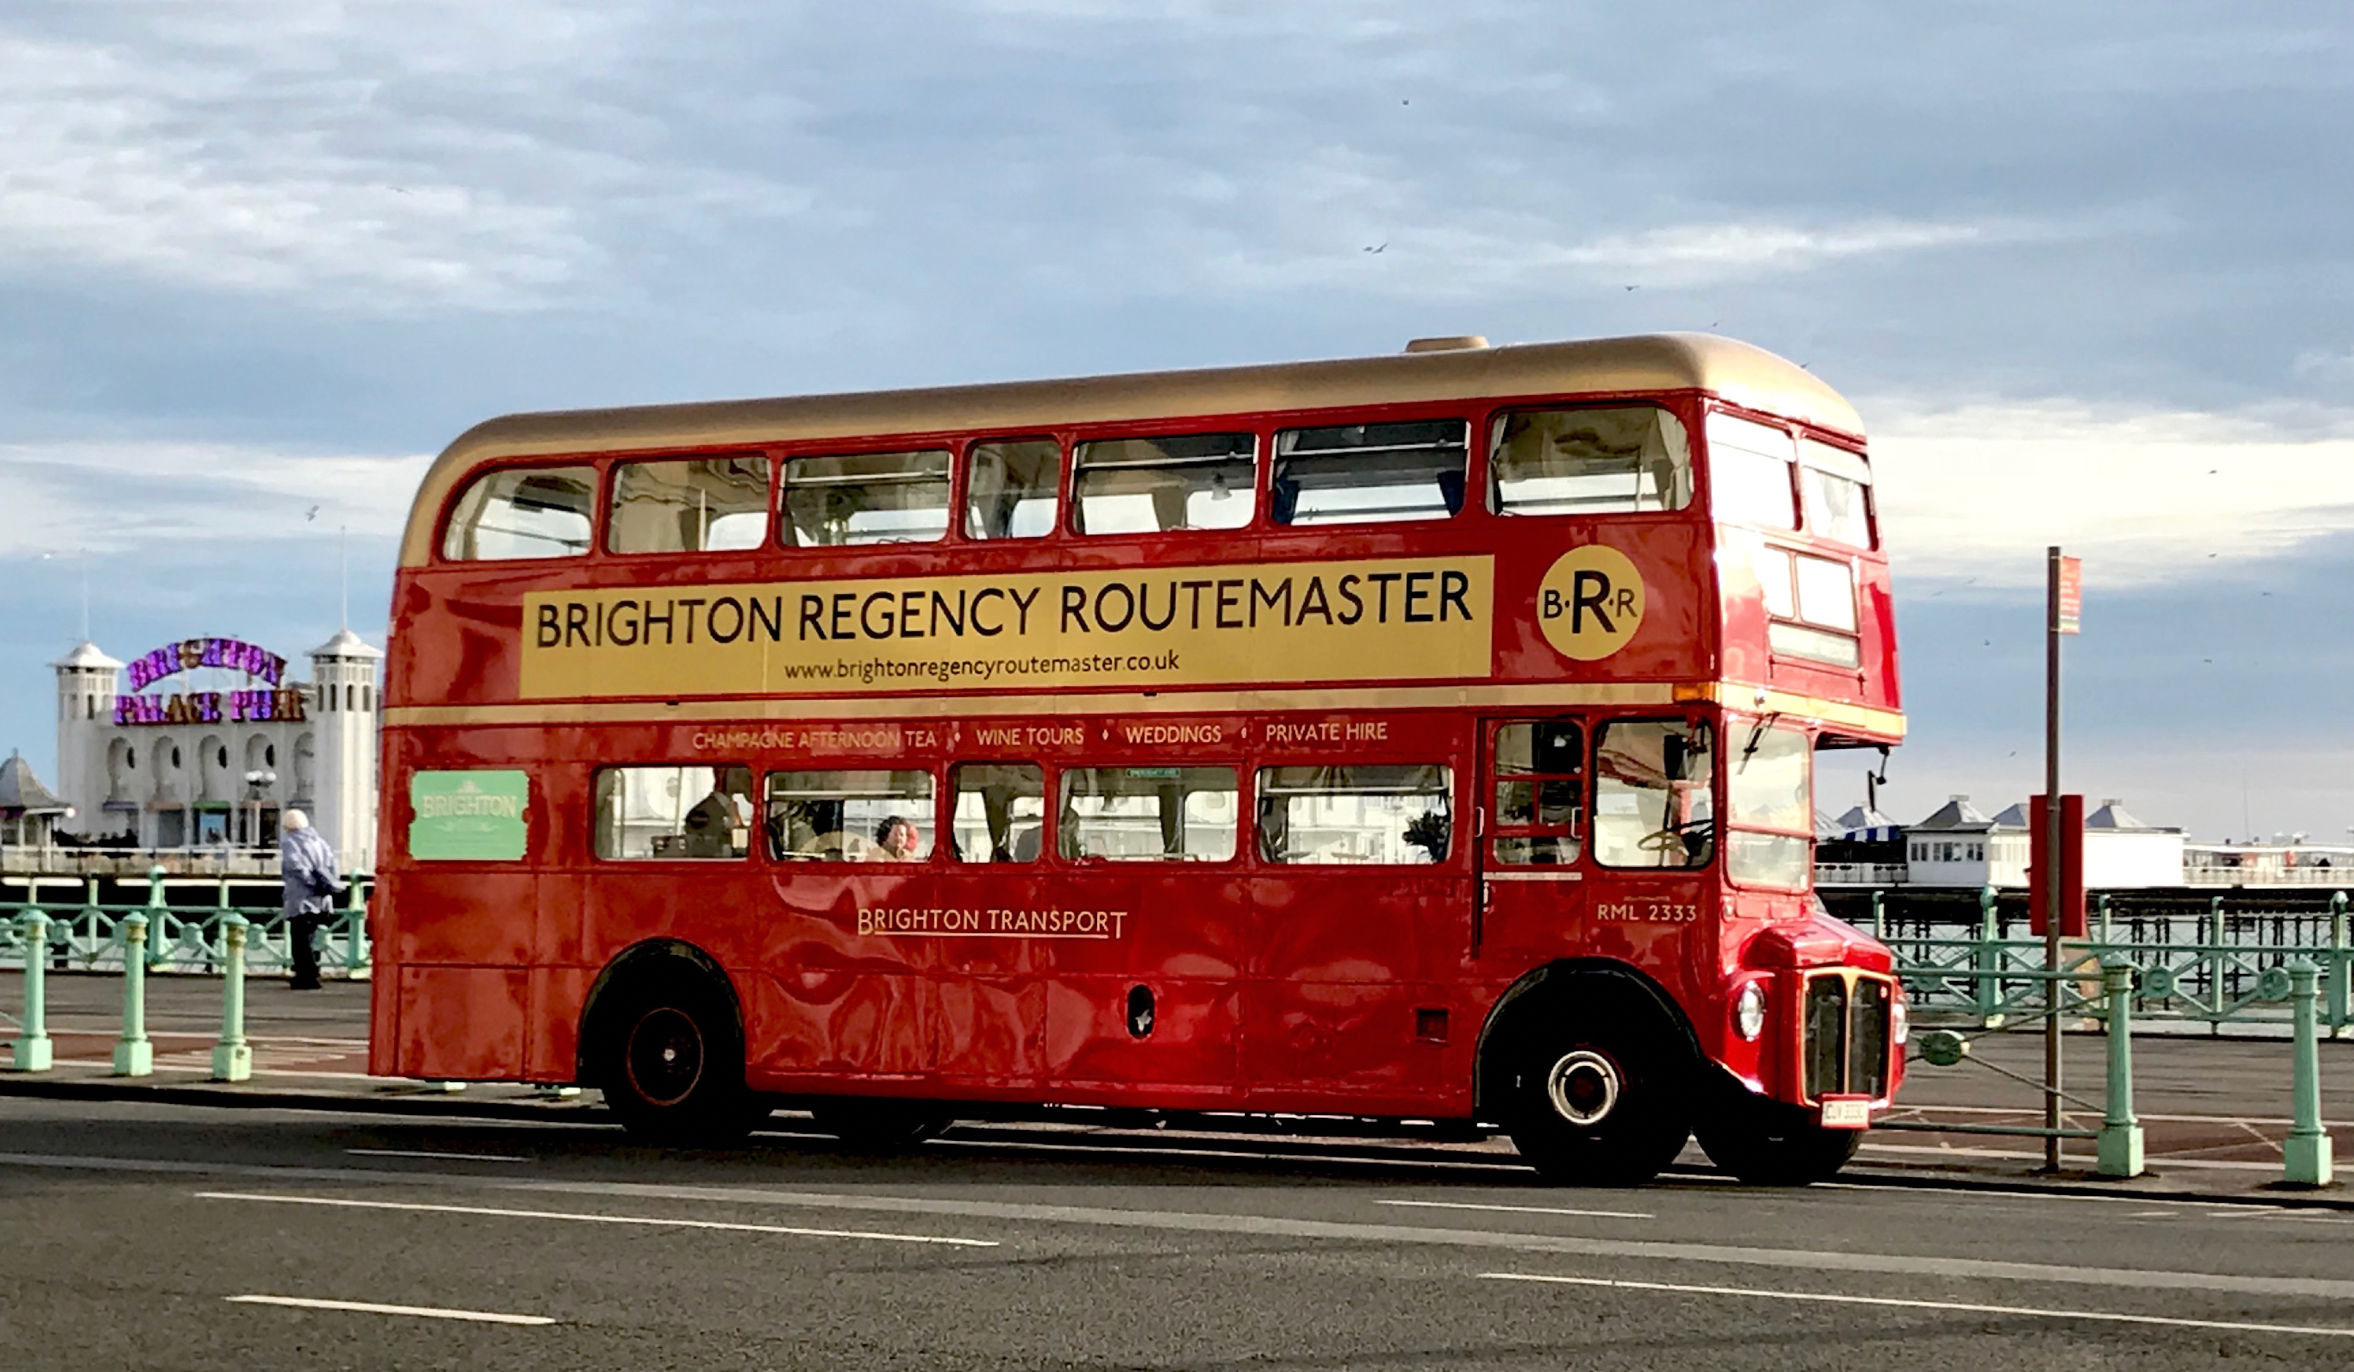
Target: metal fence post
154, 920
2102, 907
2217, 992
2307, 1148
2120, 1143
1989, 959
134, 1056
355, 924
232, 1056
2340, 965
1880, 915
33, 1051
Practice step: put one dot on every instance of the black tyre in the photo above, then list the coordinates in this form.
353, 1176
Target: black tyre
671, 1061
1767, 1143
1599, 1099
881, 1126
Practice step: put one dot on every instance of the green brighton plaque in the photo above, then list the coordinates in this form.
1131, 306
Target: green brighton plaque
468, 816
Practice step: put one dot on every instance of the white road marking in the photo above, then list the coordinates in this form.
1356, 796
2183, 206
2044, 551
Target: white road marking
1523, 1209
1213, 1222
420, 1153
1967, 1307
431, 1312
652, 1220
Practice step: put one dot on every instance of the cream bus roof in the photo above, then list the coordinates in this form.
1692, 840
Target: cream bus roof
1737, 371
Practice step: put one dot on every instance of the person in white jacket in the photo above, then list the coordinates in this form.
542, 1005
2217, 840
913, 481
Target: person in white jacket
306, 863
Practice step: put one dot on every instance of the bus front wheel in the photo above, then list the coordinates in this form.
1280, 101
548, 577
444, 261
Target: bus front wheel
673, 1064
1767, 1143
1597, 1107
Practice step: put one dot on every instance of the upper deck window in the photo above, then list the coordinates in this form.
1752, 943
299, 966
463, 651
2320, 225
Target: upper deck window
1836, 485
1370, 473
1628, 460
1010, 488
705, 504
522, 512
866, 498
1749, 468
1160, 485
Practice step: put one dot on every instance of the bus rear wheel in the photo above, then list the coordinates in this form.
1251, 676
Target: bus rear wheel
1594, 1106
673, 1064
880, 1126
1768, 1143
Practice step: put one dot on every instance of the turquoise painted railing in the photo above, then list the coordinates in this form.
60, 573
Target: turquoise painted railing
87, 935
2229, 971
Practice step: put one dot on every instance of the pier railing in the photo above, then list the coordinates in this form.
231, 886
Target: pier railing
2213, 966
81, 933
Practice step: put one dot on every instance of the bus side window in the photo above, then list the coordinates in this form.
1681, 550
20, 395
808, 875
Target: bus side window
1161, 485
1370, 473
673, 812
522, 512
1630, 460
1010, 488
850, 816
1379, 815
865, 498
706, 504
1539, 793
999, 813
1147, 814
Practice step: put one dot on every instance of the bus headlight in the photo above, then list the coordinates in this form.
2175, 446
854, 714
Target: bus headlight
1900, 1021
1749, 1010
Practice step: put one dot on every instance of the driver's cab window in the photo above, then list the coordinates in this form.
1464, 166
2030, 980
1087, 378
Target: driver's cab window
1654, 803
1538, 803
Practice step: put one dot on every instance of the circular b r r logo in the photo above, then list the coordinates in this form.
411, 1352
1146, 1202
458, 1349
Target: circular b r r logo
1590, 602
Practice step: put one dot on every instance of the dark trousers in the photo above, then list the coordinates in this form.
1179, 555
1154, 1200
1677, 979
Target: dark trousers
304, 931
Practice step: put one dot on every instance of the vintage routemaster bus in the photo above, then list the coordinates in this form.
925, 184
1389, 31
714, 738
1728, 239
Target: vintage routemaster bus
1415, 738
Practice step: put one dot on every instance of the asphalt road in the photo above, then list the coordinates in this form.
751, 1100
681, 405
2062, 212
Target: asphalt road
146, 1235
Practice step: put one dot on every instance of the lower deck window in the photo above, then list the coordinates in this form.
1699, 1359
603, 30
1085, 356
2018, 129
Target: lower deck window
1148, 814
1000, 812
1381, 815
850, 816
673, 812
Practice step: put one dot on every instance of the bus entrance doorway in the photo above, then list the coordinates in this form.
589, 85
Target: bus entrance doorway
1531, 836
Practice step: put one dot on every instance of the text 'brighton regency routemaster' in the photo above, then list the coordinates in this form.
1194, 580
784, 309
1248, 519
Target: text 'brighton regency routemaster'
1414, 738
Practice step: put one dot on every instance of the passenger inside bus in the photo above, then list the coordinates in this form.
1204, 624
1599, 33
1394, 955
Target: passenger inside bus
720, 824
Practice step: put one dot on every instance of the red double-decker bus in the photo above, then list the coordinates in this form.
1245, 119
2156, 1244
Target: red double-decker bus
1416, 738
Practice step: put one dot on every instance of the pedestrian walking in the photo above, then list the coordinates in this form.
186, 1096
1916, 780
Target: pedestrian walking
307, 865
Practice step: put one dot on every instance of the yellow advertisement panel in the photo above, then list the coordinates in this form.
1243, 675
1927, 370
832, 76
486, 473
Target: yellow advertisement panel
1398, 619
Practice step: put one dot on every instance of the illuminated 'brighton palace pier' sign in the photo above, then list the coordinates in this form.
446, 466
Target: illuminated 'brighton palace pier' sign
273, 700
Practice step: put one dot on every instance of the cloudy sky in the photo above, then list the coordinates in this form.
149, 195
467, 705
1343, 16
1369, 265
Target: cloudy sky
2084, 267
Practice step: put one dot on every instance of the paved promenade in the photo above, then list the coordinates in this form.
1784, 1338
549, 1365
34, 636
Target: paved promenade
2215, 1109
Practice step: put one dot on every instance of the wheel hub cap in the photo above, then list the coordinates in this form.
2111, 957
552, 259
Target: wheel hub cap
1583, 1087
665, 1056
